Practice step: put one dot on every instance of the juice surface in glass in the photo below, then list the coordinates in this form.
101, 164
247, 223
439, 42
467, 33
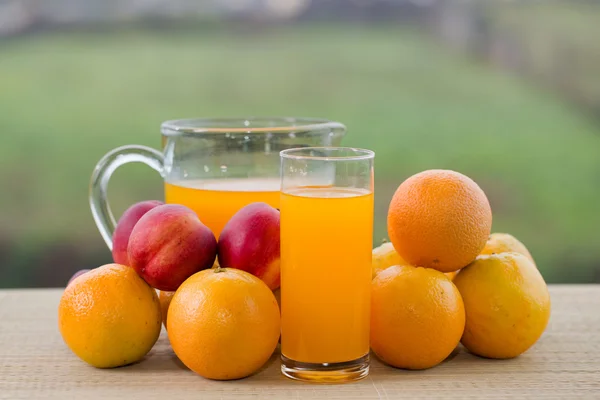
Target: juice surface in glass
217, 200
326, 242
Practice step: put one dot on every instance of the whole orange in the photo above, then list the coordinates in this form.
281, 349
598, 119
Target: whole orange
383, 257
223, 323
504, 243
506, 302
109, 316
165, 300
451, 275
439, 219
417, 317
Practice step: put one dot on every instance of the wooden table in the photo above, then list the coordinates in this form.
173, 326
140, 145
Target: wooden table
36, 364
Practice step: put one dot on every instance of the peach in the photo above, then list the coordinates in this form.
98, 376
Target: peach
123, 230
168, 245
76, 274
250, 242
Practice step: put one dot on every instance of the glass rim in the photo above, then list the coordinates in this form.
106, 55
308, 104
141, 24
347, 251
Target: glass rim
280, 125
361, 154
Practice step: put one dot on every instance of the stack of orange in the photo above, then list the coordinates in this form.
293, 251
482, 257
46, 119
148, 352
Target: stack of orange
439, 223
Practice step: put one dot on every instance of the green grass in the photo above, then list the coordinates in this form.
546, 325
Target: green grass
67, 99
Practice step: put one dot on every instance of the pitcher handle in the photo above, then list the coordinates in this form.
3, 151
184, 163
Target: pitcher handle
103, 216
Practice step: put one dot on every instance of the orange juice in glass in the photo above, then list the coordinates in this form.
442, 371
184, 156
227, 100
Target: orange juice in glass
326, 241
214, 166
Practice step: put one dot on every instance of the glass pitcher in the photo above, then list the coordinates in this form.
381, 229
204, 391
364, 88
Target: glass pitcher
214, 166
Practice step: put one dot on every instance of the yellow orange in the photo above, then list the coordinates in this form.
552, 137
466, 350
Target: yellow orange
451, 275
506, 302
417, 317
439, 219
385, 256
223, 323
109, 316
503, 243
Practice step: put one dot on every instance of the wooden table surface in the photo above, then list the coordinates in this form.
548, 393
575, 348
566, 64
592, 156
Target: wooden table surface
36, 364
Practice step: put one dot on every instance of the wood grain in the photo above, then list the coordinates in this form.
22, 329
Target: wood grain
36, 364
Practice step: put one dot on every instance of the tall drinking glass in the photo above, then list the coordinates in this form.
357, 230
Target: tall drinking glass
326, 240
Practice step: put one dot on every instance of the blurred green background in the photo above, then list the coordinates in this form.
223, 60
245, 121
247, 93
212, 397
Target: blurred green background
505, 92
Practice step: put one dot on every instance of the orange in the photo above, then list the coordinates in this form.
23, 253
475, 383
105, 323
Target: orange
417, 317
507, 305
109, 316
451, 275
503, 243
384, 257
439, 219
223, 323
165, 300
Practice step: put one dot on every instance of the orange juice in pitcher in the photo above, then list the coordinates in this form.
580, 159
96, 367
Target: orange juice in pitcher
215, 201
214, 166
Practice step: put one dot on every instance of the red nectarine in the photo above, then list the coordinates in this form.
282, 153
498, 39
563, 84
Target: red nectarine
250, 242
124, 227
168, 244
